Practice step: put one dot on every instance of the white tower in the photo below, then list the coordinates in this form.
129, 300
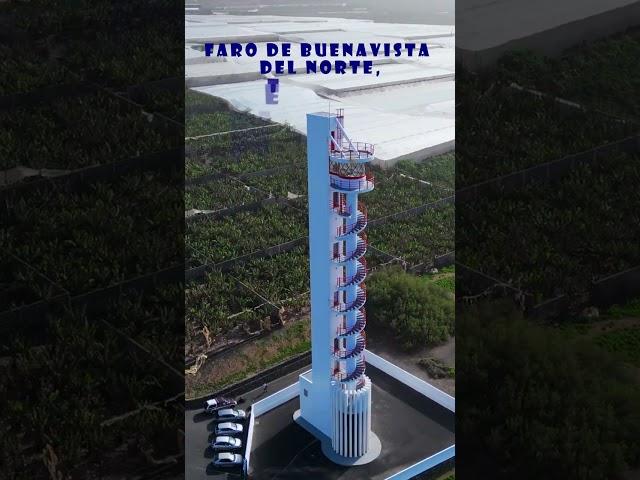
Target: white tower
335, 400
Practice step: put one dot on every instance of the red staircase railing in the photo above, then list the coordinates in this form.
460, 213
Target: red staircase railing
360, 250
358, 277
358, 225
360, 346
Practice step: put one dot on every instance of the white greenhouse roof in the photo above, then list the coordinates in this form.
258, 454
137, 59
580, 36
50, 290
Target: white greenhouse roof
492, 28
390, 74
395, 132
408, 111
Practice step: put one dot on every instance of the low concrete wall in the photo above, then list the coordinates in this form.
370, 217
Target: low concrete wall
263, 406
425, 464
426, 389
272, 401
247, 449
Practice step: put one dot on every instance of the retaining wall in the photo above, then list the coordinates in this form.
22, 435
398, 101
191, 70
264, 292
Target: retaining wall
426, 389
426, 464
266, 376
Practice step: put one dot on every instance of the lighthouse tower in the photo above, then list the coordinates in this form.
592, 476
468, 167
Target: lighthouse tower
335, 397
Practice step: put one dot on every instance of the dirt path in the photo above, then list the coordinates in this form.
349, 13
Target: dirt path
446, 352
611, 325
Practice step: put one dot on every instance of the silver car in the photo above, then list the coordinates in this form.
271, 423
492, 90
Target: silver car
227, 459
228, 428
226, 443
228, 414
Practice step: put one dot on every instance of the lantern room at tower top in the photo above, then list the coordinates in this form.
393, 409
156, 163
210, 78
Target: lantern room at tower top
335, 397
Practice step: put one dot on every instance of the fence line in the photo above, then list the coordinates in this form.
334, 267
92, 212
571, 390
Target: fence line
82, 178
225, 265
151, 406
197, 137
616, 288
546, 172
413, 211
486, 284
47, 94
138, 346
92, 301
570, 103
439, 261
204, 179
420, 180
269, 374
130, 101
225, 212
269, 171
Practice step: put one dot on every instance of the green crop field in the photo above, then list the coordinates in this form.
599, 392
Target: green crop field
624, 342
565, 243
238, 168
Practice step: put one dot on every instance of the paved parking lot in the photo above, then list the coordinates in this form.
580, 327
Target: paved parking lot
199, 432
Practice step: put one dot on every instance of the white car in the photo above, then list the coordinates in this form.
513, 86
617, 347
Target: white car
226, 443
227, 414
226, 459
228, 428
215, 404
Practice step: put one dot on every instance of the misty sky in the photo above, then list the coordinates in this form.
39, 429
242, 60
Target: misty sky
396, 11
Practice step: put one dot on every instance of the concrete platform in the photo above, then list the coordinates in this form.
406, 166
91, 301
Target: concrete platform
410, 427
374, 450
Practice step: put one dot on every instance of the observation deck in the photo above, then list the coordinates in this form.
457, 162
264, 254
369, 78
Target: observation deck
351, 152
361, 184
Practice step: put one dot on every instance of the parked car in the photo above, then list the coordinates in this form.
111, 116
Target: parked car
226, 443
228, 414
229, 428
226, 459
218, 403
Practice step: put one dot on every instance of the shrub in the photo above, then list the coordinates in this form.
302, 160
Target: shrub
436, 368
417, 312
534, 404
